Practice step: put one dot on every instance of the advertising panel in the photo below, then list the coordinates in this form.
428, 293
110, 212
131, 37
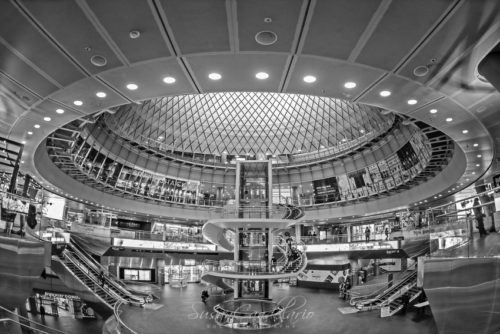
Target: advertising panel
326, 190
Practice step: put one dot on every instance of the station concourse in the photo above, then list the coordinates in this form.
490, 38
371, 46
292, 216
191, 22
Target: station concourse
281, 166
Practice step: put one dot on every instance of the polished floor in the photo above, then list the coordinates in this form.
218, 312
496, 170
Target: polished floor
180, 310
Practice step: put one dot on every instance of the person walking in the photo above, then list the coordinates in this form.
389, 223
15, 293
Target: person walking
386, 233
479, 215
367, 234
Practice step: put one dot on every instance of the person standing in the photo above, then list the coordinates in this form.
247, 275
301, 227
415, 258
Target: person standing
367, 234
386, 233
479, 215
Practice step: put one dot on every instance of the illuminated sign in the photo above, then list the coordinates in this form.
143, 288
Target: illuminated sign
358, 246
153, 244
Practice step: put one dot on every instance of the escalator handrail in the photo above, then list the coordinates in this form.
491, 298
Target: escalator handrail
372, 296
396, 287
98, 267
109, 292
31, 321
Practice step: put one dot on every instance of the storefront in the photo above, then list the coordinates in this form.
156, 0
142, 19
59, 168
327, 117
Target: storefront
137, 274
59, 305
377, 231
188, 270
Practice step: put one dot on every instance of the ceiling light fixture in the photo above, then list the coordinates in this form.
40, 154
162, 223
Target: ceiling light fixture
60, 111
385, 93
262, 75
465, 131
350, 85
479, 155
477, 165
78, 103
100, 95
309, 78
36, 126
449, 119
47, 119
214, 76
132, 86
30, 133
412, 102
169, 80
475, 145
433, 111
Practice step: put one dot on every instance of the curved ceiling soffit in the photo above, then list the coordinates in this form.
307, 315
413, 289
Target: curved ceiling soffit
402, 88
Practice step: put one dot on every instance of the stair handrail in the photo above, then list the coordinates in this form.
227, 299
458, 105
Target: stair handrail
98, 267
372, 296
119, 322
110, 292
31, 321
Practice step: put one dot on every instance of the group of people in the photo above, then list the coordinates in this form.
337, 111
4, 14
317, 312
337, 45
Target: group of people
344, 288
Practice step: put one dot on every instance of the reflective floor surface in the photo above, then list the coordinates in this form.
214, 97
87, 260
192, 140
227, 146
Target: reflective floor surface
307, 311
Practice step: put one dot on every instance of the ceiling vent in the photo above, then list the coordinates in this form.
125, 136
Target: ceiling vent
266, 37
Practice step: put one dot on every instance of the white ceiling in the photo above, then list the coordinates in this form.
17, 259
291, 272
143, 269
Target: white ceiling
46, 49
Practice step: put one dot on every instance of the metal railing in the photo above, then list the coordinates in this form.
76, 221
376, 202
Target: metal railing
29, 321
121, 327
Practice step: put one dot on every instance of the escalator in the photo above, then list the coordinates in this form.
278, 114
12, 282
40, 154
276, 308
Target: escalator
391, 299
79, 271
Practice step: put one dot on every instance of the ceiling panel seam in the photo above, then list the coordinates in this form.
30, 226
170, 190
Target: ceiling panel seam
51, 38
89, 14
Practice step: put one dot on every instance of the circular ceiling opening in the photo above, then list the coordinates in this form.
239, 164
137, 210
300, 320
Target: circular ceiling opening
242, 123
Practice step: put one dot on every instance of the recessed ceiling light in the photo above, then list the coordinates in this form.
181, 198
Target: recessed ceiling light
214, 76
362, 131
479, 155
30, 132
449, 119
169, 80
350, 85
77, 103
60, 111
22, 161
309, 78
477, 165
132, 86
465, 131
100, 95
473, 173
262, 75
433, 111
23, 142
385, 93
47, 119
475, 145
36, 126
412, 102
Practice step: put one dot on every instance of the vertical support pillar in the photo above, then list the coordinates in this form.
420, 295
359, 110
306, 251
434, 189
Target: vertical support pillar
298, 232
15, 172
237, 185
269, 186
349, 233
